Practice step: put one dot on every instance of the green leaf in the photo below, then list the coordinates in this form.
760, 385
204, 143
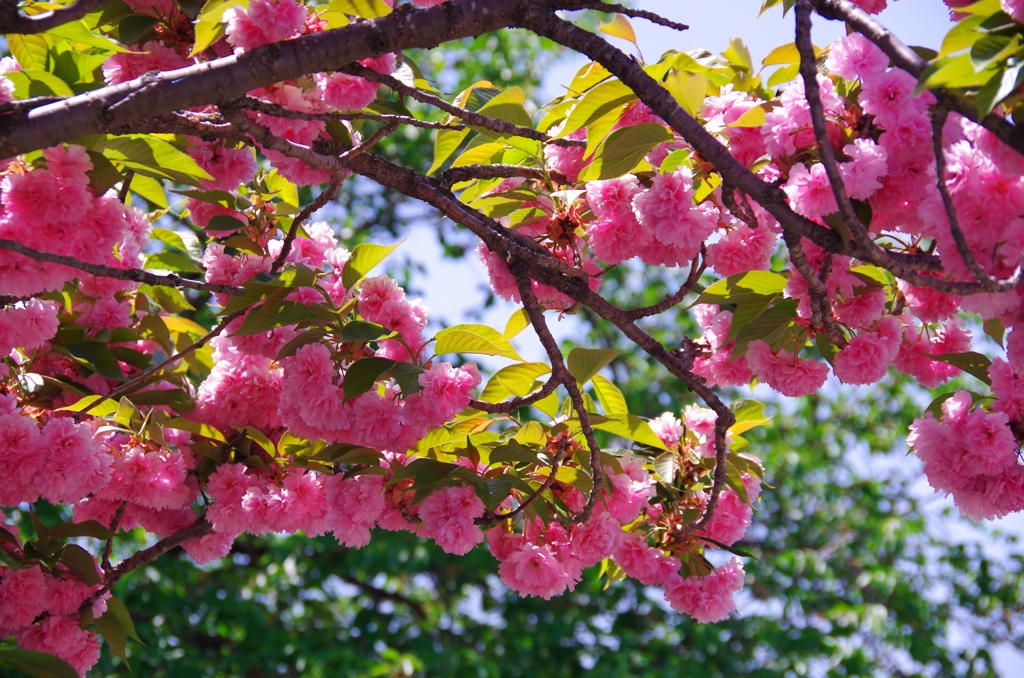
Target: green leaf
584, 363
782, 55
110, 628
688, 89
994, 329
118, 609
37, 664
531, 433
364, 257
473, 338
30, 83
77, 31
619, 27
494, 490
264, 318
754, 117
971, 362
992, 49
516, 324
609, 395
623, 150
153, 157
98, 358
429, 471
31, 51
86, 528
956, 71
258, 437
743, 287
363, 374
209, 24
665, 466
630, 427
519, 380
81, 563
367, 9
1003, 84
171, 261
106, 408
784, 74
738, 55
446, 142
749, 413
962, 36
150, 189
194, 427
770, 326
513, 452
597, 103
360, 330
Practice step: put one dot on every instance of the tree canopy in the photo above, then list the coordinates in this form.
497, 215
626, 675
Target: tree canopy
190, 359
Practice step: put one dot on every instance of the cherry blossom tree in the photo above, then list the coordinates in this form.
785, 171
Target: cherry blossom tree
189, 354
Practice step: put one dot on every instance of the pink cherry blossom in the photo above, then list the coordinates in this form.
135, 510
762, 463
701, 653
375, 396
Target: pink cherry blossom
448, 516
707, 599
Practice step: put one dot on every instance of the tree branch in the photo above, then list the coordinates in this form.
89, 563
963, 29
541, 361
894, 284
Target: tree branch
12, 21
227, 79
471, 117
450, 177
697, 269
199, 528
938, 123
653, 17
142, 377
254, 104
132, 274
519, 401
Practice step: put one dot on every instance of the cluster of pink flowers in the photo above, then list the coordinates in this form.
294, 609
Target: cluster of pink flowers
972, 455
57, 596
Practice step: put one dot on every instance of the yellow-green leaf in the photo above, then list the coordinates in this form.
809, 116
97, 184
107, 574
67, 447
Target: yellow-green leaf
619, 27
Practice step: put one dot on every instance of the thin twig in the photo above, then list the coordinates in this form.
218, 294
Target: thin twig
450, 177
254, 104
108, 547
535, 313
696, 271
556, 461
132, 274
519, 401
635, 13
938, 123
141, 378
328, 194
471, 117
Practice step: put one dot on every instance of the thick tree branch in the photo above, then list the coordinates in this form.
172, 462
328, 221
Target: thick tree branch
222, 81
132, 274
